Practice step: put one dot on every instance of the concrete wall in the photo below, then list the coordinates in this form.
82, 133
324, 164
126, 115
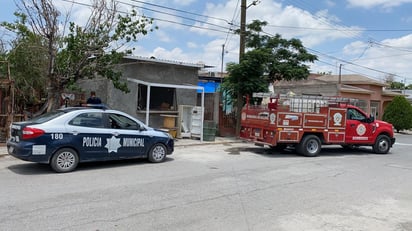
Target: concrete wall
153, 72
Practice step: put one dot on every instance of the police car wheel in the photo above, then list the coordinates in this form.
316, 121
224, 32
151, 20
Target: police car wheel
157, 153
64, 160
382, 145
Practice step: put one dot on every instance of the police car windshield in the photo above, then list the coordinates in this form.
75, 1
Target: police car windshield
47, 117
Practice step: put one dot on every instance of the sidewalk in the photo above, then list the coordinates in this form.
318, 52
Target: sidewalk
218, 140
178, 143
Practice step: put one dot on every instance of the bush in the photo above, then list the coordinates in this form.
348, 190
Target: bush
399, 113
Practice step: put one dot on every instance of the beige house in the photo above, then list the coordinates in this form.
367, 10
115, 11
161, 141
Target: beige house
371, 94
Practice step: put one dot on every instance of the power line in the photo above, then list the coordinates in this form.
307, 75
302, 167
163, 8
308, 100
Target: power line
345, 29
170, 14
163, 20
182, 11
235, 15
340, 29
354, 64
227, 30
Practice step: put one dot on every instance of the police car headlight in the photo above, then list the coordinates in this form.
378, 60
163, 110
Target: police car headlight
169, 135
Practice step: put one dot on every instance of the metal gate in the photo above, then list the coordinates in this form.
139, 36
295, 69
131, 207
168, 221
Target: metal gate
227, 123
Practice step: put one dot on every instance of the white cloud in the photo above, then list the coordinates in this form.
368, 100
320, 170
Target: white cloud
183, 2
292, 22
162, 36
407, 19
319, 29
387, 56
377, 3
330, 3
355, 48
289, 21
191, 45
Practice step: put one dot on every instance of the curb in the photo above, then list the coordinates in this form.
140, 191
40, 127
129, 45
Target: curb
184, 144
204, 143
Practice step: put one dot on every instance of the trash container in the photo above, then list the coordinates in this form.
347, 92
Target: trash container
209, 130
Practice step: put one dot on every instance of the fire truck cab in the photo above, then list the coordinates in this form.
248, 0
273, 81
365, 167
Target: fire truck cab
308, 122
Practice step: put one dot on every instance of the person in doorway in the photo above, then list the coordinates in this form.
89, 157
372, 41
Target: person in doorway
93, 99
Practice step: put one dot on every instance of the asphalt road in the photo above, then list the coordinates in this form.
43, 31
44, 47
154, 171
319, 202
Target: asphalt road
234, 186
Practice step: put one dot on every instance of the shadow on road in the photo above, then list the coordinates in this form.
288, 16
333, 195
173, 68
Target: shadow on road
290, 152
27, 168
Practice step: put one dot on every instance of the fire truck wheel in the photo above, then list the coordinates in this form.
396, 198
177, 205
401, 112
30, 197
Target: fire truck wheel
310, 145
382, 144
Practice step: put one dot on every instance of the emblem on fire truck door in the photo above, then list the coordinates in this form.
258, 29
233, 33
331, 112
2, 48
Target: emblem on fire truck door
361, 130
337, 119
272, 118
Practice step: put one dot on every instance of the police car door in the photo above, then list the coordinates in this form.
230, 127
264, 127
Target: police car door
89, 135
127, 139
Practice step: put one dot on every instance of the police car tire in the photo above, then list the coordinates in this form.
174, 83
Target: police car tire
157, 153
382, 144
64, 160
310, 146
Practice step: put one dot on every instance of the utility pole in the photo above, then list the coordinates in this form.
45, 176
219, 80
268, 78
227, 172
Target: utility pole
242, 29
221, 65
241, 53
340, 79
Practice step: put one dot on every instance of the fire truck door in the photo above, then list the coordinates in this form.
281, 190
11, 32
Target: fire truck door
358, 131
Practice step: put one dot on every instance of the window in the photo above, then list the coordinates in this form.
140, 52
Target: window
93, 120
47, 117
375, 108
122, 122
161, 98
362, 104
355, 115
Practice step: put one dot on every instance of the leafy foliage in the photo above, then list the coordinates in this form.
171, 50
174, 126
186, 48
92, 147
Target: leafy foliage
397, 85
268, 59
28, 63
285, 59
399, 113
89, 50
54, 61
247, 77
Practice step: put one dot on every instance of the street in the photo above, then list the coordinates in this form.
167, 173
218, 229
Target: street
233, 186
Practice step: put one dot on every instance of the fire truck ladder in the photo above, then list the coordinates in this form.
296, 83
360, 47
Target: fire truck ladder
303, 103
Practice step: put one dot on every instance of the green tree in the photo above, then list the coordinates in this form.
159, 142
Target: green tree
399, 113
397, 85
86, 51
248, 76
28, 64
268, 59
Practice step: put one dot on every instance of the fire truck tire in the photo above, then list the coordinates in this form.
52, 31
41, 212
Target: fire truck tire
382, 145
310, 146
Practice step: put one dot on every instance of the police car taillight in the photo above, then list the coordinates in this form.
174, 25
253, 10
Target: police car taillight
30, 133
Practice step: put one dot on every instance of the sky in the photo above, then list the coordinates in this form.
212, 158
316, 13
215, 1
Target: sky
366, 37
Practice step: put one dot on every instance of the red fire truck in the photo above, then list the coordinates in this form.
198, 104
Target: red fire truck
308, 122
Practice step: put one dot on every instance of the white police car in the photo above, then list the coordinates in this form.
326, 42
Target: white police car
67, 136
